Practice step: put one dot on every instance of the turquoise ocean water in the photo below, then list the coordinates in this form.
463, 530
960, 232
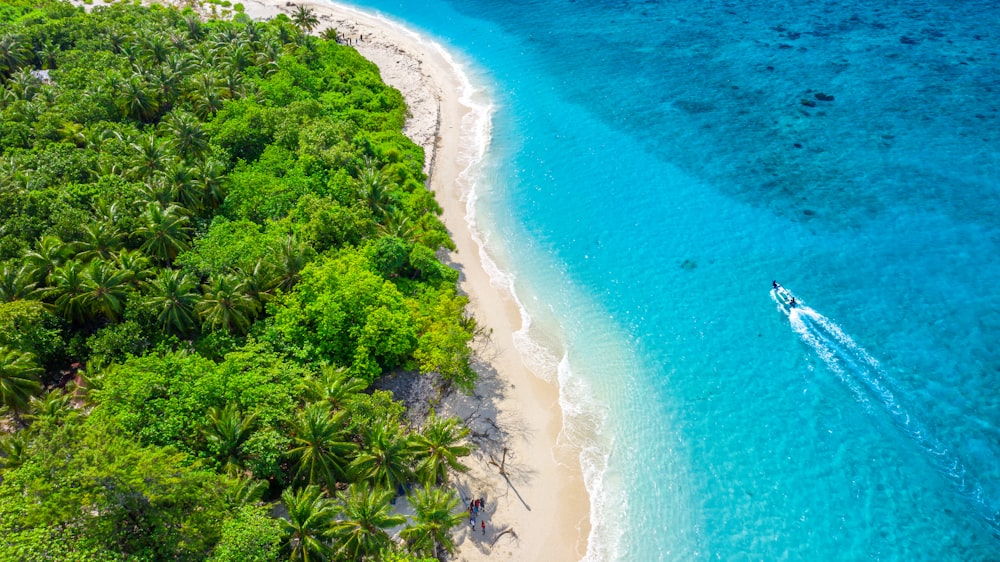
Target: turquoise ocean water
653, 166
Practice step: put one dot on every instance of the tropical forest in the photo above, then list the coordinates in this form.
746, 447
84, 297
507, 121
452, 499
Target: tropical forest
215, 240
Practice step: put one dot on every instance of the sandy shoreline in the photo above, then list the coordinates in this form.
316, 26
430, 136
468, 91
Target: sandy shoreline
546, 504
541, 510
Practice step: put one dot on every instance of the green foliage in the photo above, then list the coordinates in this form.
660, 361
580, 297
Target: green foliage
251, 535
161, 399
445, 334
389, 256
344, 313
19, 372
268, 189
228, 245
240, 128
115, 342
326, 224
86, 493
169, 399
27, 326
262, 382
376, 409
204, 213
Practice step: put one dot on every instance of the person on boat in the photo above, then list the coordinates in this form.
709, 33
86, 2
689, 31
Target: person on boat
792, 303
774, 284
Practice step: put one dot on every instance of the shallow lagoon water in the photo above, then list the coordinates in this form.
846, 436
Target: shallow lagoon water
655, 165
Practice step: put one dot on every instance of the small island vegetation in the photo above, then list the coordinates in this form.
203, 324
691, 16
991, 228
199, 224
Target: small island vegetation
214, 239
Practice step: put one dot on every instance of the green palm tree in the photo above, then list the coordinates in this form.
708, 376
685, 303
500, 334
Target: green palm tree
16, 282
15, 52
156, 191
19, 374
232, 84
166, 85
304, 18
104, 290
135, 101
173, 295
178, 180
268, 55
49, 254
67, 285
384, 461
258, 282
335, 386
237, 56
13, 450
226, 430
186, 135
149, 156
209, 176
23, 85
246, 491
134, 266
251, 32
397, 223
166, 232
291, 260
226, 305
307, 525
194, 27
206, 95
366, 514
47, 54
375, 192
56, 405
330, 34
73, 132
155, 48
319, 446
434, 518
100, 241
438, 448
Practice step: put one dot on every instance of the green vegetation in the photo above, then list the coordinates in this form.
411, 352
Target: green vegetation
213, 239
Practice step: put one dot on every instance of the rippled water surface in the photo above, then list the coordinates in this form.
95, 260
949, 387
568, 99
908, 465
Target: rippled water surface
655, 165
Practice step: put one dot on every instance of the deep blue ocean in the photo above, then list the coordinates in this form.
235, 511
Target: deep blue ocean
655, 165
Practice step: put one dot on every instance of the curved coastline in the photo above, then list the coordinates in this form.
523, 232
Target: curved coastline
516, 411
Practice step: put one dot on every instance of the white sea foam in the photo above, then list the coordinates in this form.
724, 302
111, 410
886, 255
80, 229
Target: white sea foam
583, 420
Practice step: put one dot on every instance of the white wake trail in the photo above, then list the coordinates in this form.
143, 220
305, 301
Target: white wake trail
873, 388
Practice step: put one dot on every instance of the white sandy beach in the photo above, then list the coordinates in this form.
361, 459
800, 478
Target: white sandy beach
541, 510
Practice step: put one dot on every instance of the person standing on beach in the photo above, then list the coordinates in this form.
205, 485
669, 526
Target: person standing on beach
484, 527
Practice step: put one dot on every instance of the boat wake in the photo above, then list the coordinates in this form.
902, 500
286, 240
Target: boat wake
874, 389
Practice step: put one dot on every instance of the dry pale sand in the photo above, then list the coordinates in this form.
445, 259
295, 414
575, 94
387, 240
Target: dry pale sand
540, 509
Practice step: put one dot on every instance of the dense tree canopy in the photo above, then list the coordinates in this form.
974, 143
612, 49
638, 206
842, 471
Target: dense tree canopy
214, 238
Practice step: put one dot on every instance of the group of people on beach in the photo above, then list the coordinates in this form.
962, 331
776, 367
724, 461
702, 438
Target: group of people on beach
474, 507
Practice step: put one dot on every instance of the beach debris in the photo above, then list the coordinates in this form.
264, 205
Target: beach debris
506, 531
